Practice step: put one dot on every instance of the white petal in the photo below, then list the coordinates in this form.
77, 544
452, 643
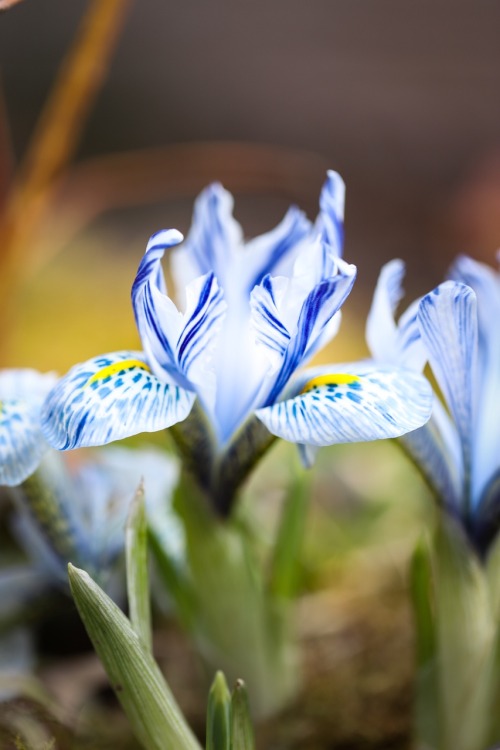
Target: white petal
392, 343
436, 450
485, 282
109, 398
360, 405
22, 445
25, 384
213, 241
330, 221
381, 329
273, 311
274, 252
448, 326
178, 346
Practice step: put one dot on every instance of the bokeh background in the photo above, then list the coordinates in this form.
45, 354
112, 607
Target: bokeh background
403, 100
400, 98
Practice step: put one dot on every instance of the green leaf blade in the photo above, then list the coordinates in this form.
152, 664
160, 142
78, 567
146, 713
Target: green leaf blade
136, 551
155, 717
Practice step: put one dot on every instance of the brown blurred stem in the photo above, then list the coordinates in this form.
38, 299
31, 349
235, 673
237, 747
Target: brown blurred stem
54, 142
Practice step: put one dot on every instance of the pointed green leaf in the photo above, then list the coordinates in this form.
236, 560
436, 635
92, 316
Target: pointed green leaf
218, 713
136, 547
242, 735
156, 719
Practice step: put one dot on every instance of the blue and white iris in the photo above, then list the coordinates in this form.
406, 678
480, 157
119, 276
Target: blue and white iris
74, 510
77, 510
454, 328
254, 313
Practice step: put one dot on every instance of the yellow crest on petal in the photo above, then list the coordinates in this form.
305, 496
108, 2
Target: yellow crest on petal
117, 367
337, 378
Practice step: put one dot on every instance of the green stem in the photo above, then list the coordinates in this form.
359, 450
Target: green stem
239, 625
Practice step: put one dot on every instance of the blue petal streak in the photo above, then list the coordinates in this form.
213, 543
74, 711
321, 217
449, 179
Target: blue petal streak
447, 320
485, 282
109, 398
330, 221
178, 346
293, 333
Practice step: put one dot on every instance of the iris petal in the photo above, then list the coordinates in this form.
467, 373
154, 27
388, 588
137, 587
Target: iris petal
485, 282
21, 442
109, 398
292, 327
363, 404
22, 445
447, 320
330, 221
178, 345
214, 239
435, 448
390, 342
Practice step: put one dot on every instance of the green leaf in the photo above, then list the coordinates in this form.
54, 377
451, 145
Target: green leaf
288, 544
466, 631
422, 595
218, 712
242, 735
136, 548
427, 713
156, 719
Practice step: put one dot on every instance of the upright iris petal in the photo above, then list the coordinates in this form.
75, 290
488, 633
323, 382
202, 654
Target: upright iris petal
254, 313
458, 450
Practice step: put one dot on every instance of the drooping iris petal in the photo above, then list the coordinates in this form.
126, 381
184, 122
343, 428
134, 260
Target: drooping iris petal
485, 282
357, 405
290, 326
21, 442
178, 345
447, 320
109, 398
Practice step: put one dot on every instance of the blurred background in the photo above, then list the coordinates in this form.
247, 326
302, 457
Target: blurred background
400, 98
403, 100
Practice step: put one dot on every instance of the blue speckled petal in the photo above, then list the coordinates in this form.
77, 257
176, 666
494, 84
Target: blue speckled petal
344, 408
109, 398
21, 442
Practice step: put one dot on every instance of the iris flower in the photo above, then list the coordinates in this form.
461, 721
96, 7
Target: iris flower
454, 329
253, 314
72, 510
22, 445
